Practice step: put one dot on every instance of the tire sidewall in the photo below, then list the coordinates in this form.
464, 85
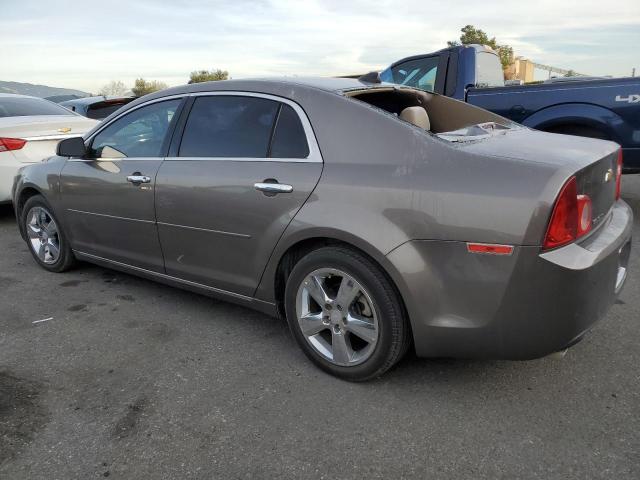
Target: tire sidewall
387, 309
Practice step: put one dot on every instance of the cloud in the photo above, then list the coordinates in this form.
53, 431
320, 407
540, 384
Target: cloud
84, 44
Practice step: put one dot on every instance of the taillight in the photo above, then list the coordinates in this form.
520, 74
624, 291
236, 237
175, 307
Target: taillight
7, 144
571, 217
584, 215
618, 174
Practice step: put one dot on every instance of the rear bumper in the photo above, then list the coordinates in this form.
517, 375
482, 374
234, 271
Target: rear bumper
522, 306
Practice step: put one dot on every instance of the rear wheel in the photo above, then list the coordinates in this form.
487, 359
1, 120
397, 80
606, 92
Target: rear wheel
345, 314
45, 237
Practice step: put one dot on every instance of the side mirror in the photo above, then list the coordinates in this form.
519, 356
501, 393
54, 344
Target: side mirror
71, 147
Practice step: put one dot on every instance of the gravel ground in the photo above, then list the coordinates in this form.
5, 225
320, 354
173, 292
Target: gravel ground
131, 379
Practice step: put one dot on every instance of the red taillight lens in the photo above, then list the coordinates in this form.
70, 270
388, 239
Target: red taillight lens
571, 217
618, 174
7, 144
563, 227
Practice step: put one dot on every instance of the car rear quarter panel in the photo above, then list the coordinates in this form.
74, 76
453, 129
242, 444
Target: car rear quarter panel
386, 182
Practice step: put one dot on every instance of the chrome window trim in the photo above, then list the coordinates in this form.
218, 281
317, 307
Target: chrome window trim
241, 159
314, 150
115, 160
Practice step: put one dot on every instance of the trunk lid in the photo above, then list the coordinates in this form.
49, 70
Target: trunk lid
598, 180
45, 125
43, 133
592, 161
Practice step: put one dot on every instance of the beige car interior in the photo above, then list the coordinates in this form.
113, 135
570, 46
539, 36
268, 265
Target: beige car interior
417, 116
434, 113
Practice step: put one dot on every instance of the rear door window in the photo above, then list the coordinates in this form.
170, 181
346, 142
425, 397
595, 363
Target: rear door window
289, 139
229, 127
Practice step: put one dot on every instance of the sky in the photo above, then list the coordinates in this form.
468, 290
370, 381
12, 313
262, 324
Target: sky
85, 44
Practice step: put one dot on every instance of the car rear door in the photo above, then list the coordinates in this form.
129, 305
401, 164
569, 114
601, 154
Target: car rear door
108, 197
242, 168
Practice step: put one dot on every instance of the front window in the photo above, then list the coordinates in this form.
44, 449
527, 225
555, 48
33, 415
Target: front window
140, 133
26, 107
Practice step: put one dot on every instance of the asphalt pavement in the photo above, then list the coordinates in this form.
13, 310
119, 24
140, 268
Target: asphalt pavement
103, 374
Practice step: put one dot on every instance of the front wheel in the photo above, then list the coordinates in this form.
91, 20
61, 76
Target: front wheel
345, 314
45, 237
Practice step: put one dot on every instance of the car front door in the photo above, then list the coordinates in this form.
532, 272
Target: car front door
243, 167
108, 197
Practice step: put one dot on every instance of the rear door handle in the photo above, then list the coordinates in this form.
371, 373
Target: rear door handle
273, 187
137, 179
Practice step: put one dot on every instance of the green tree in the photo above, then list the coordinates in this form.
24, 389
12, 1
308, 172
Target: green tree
505, 52
143, 87
208, 76
471, 34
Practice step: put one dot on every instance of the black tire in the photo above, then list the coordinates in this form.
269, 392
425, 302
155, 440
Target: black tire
65, 259
394, 333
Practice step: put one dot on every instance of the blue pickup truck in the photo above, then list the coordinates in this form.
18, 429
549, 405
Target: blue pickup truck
607, 108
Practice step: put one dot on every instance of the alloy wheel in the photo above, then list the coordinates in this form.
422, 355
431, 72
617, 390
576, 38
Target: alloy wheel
43, 234
337, 317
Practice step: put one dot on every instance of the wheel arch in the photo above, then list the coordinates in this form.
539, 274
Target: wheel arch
583, 115
274, 279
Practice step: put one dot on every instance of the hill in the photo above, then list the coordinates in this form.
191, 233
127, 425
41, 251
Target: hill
37, 90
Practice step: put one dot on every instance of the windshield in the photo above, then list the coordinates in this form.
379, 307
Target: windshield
26, 107
488, 70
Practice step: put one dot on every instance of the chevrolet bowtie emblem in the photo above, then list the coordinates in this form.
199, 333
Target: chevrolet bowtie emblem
64, 129
608, 176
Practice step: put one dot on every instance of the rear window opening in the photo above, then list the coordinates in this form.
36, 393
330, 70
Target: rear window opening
449, 119
29, 106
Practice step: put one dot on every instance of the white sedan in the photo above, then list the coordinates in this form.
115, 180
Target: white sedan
30, 129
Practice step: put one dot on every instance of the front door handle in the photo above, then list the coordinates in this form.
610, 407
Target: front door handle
137, 179
273, 188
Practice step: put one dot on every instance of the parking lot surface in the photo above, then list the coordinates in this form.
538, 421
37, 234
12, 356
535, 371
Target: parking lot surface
126, 378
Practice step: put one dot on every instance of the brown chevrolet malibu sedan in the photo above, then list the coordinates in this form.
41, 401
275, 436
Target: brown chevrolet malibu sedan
375, 218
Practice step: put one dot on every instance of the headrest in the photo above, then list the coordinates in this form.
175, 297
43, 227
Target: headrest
417, 116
